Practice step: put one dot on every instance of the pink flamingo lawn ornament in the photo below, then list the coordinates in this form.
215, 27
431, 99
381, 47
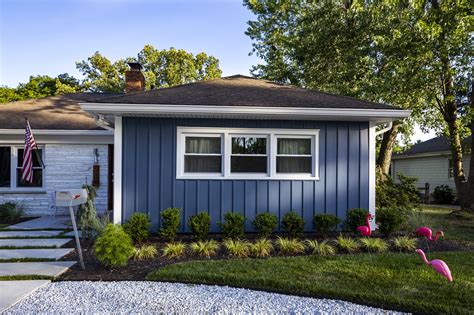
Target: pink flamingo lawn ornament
426, 232
365, 230
438, 265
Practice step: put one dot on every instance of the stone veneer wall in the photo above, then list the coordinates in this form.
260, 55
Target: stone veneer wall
68, 166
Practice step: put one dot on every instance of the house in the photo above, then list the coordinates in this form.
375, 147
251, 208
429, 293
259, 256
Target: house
241, 144
430, 162
74, 149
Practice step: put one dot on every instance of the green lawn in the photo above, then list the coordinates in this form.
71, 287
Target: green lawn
392, 281
456, 226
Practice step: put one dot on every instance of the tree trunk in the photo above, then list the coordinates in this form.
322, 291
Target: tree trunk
386, 148
468, 186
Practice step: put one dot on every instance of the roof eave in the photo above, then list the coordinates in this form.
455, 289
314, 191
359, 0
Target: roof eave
245, 112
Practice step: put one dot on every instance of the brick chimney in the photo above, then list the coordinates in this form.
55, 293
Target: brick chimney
134, 79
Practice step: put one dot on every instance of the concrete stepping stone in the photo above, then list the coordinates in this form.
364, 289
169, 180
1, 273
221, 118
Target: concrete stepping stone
43, 223
42, 253
34, 242
14, 291
10, 234
45, 268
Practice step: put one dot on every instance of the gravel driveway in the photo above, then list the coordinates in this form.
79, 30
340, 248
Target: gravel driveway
154, 297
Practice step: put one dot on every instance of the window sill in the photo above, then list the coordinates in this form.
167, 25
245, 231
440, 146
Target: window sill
249, 177
20, 191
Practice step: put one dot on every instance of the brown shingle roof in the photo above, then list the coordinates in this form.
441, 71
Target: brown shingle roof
241, 90
61, 112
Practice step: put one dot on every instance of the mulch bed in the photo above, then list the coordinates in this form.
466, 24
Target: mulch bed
138, 270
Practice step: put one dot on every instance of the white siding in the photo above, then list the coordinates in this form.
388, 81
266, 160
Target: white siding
68, 166
432, 170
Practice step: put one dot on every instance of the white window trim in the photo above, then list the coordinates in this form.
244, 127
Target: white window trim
226, 135
13, 170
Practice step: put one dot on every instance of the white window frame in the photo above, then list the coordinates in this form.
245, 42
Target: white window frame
248, 135
226, 135
13, 171
313, 153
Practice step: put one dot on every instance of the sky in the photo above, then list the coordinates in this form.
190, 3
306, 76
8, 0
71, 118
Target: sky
47, 37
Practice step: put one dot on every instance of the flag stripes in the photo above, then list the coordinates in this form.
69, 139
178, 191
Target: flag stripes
30, 145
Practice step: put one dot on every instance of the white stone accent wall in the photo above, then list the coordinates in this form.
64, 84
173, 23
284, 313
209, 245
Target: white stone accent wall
68, 166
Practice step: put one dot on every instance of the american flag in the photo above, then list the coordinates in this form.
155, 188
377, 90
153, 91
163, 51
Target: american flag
30, 145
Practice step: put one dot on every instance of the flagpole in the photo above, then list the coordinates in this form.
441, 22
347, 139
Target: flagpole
38, 156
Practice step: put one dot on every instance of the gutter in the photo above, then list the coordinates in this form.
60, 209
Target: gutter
384, 130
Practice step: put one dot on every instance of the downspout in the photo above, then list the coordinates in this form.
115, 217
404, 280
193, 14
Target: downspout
103, 123
384, 130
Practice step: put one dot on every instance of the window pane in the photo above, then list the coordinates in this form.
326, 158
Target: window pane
202, 164
294, 146
245, 145
294, 164
249, 164
5, 166
36, 162
37, 179
203, 145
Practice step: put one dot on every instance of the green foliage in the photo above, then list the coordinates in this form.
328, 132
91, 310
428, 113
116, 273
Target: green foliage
325, 223
416, 219
265, 223
347, 244
261, 248
403, 194
144, 252
405, 243
170, 223
138, 227
293, 224
10, 213
290, 246
374, 245
113, 247
355, 218
200, 225
322, 249
237, 248
205, 248
443, 194
233, 225
161, 68
391, 219
174, 250
87, 213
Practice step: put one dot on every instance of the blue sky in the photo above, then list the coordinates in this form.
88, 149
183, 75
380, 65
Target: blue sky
49, 36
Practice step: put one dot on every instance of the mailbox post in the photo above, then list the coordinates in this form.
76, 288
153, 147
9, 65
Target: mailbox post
70, 198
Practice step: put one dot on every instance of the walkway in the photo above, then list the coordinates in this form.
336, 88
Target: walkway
31, 249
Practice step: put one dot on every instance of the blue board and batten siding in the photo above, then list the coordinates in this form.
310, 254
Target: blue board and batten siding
150, 184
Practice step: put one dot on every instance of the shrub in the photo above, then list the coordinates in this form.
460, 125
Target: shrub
113, 247
200, 224
138, 226
174, 250
205, 248
87, 213
10, 213
405, 243
237, 248
390, 220
290, 246
355, 218
261, 248
293, 224
144, 252
170, 223
416, 219
325, 223
443, 194
375, 245
102, 221
322, 249
265, 223
233, 226
403, 194
347, 244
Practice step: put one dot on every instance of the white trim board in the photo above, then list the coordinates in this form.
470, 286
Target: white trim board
58, 132
117, 212
246, 112
372, 162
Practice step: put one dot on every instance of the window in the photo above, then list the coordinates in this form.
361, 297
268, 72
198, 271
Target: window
237, 153
249, 155
11, 161
203, 154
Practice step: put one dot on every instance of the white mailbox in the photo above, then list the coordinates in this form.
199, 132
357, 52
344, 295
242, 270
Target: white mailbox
70, 198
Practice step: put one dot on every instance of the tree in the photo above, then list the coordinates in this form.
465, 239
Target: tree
161, 68
354, 48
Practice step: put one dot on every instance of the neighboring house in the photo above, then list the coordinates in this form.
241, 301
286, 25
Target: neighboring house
241, 144
71, 144
430, 162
